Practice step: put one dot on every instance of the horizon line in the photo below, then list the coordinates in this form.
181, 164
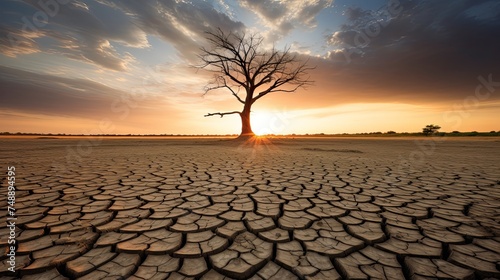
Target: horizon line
388, 133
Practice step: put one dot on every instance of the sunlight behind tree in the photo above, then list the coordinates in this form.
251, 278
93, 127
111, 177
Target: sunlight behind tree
248, 71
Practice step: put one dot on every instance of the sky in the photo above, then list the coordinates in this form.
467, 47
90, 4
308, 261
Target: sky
128, 67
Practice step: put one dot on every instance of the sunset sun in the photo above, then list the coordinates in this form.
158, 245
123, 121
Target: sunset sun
261, 123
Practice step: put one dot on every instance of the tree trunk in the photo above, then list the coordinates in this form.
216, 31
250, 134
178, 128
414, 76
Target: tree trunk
246, 128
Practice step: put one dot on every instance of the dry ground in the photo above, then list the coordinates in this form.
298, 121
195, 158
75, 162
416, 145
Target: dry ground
329, 208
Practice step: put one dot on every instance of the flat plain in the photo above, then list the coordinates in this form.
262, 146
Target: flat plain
308, 208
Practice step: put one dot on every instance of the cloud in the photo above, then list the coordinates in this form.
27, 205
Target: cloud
96, 32
72, 30
29, 92
181, 23
283, 16
429, 50
43, 102
15, 42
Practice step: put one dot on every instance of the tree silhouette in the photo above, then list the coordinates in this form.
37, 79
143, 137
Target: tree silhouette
430, 129
240, 61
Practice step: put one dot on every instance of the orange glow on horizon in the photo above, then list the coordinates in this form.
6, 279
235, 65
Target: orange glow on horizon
348, 118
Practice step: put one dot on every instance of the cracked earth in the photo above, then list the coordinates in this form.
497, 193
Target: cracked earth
294, 209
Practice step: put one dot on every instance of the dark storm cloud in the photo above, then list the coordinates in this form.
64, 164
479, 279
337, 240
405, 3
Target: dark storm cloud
416, 50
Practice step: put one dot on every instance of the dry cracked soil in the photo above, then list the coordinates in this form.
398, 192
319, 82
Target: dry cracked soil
333, 208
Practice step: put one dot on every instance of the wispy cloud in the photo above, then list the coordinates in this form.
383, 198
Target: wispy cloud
181, 23
283, 16
93, 31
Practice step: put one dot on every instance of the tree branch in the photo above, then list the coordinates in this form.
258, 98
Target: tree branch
241, 61
220, 82
222, 114
295, 78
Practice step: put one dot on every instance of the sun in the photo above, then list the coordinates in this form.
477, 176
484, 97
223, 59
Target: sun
262, 123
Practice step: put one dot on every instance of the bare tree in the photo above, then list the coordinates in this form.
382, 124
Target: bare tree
249, 72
